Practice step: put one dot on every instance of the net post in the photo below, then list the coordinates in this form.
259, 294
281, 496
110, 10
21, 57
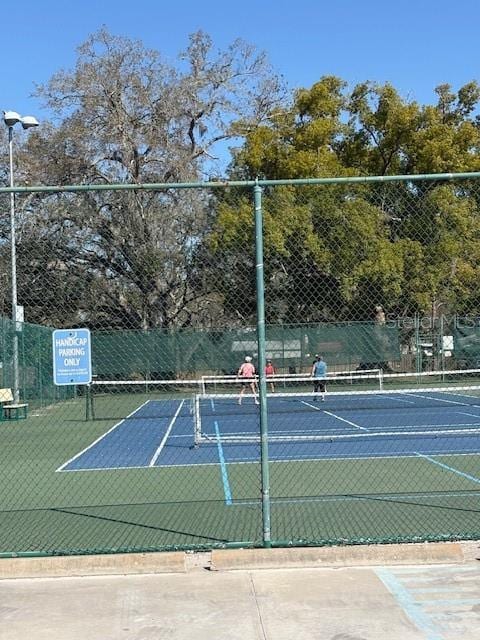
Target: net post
88, 403
197, 423
87, 410
262, 387
380, 378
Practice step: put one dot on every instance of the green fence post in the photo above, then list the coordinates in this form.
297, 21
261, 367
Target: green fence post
418, 351
439, 345
257, 193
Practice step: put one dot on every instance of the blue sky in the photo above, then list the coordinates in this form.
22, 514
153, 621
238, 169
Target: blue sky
415, 45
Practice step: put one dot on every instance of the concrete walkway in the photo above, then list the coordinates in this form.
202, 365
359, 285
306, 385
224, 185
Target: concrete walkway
347, 593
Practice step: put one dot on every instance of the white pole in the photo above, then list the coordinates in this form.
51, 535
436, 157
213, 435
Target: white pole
16, 376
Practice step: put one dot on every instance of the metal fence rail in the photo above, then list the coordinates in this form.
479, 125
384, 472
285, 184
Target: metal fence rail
178, 284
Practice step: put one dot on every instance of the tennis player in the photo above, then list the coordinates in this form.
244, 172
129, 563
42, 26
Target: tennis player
247, 374
270, 371
319, 374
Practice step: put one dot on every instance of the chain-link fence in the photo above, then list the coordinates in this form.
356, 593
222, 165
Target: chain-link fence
355, 300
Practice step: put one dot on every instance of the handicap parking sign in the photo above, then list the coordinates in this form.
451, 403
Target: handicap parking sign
72, 358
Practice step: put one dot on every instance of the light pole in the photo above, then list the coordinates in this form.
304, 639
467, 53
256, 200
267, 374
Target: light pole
11, 118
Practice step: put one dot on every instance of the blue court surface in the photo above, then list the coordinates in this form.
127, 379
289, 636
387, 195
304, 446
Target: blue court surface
160, 433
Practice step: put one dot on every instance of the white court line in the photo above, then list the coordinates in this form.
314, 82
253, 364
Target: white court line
371, 432
330, 414
464, 395
393, 398
402, 429
310, 405
357, 426
256, 460
101, 437
164, 439
448, 467
438, 399
464, 413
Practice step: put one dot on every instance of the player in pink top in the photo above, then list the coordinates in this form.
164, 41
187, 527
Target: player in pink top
270, 371
247, 374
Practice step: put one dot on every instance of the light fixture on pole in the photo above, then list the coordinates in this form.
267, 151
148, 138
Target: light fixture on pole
11, 118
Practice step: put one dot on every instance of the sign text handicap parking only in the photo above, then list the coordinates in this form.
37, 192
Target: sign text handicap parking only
72, 358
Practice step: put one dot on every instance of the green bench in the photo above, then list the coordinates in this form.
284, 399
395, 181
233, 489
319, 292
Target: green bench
10, 410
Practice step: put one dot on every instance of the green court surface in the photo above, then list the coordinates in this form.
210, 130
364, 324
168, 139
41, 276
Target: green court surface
182, 505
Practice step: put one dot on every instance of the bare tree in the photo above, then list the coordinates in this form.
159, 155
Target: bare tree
124, 115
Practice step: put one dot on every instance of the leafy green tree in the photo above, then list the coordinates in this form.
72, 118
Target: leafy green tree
335, 252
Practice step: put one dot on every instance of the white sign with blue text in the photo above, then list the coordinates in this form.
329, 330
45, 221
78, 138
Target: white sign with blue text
72, 357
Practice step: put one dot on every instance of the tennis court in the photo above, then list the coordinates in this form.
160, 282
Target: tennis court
341, 457
300, 427
169, 465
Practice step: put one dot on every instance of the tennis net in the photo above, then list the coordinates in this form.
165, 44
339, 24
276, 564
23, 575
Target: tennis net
214, 383
385, 405
122, 399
